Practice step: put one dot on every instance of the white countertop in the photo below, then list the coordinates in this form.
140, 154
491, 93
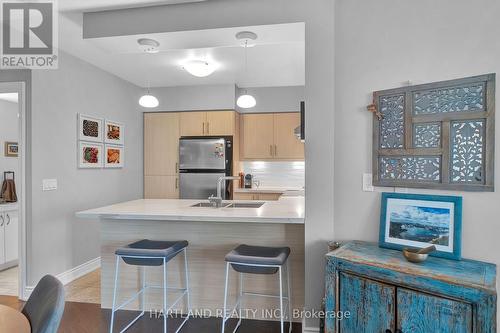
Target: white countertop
268, 189
286, 210
4, 207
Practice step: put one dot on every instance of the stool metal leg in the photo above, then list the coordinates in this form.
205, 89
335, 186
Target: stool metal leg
165, 286
187, 283
281, 300
225, 298
289, 295
143, 299
114, 294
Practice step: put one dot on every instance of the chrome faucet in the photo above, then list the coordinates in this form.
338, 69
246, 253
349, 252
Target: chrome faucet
217, 201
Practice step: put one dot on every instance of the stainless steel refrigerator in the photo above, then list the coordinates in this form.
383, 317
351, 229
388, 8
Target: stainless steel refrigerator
202, 161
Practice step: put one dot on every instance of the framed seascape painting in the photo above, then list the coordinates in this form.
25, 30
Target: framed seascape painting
114, 132
114, 156
90, 128
90, 155
418, 221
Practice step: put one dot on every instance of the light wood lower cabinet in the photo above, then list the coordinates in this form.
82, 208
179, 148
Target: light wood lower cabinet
256, 196
9, 238
161, 187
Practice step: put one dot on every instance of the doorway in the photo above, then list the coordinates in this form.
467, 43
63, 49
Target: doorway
12, 189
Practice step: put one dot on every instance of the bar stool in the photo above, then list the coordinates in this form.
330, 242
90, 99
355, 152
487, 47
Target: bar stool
151, 253
258, 260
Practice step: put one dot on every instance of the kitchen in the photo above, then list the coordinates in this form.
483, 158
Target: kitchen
219, 177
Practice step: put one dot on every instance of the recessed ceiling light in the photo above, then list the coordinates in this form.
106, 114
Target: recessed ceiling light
199, 68
148, 45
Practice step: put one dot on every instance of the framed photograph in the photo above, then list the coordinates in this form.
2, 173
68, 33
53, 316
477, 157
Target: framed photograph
11, 149
114, 132
90, 128
114, 156
90, 155
417, 221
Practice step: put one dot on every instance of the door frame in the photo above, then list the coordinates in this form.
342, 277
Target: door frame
23, 102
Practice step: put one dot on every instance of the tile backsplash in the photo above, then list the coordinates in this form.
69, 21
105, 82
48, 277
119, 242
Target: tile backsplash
276, 174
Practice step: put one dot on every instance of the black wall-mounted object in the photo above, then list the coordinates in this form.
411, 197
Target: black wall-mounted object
302, 121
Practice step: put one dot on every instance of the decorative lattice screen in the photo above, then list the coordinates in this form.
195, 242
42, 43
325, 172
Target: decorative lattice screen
438, 135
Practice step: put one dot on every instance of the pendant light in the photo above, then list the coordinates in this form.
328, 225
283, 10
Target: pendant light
246, 101
148, 46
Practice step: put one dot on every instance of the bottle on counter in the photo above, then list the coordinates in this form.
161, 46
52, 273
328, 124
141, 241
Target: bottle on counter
242, 179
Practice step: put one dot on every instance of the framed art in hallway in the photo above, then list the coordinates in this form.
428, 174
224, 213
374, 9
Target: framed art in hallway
11, 149
90, 128
90, 155
418, 221
114, 156
114, 132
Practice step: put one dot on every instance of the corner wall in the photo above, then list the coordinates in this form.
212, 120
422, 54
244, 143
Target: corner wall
382, 44
59, 241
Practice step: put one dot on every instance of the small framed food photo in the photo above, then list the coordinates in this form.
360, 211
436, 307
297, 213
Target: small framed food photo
90, 128
114, 156
11, 149
90, 155
419, 221
114, 132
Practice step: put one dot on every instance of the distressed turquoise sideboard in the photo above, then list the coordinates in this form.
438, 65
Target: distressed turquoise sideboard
375, 290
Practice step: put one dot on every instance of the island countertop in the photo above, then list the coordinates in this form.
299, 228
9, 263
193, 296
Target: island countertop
289, 210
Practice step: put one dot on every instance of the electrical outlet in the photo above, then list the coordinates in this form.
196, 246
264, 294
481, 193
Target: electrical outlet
367, 182
49, 184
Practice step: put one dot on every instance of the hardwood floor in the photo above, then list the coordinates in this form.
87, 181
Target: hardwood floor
90, 318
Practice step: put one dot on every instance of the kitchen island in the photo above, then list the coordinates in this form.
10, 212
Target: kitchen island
212, 233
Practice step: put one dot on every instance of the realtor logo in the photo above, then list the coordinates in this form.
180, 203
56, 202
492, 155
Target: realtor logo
29, 38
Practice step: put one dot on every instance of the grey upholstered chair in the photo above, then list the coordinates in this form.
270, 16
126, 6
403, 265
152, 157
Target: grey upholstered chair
45, 306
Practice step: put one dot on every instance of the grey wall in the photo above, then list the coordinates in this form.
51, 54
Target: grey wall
318, 16
188, 98
9, 131
59, 241
381, 44
274, 99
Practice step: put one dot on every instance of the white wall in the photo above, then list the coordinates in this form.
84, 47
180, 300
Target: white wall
318, 16
9, 132
274, 99
188, 98
59, 241
381, 44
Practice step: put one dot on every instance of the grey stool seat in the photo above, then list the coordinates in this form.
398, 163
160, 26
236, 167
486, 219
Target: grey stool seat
144, 253
151, 249
258, 255
258, 260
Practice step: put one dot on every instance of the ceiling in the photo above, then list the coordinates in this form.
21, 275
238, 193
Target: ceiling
277, 59
95, 5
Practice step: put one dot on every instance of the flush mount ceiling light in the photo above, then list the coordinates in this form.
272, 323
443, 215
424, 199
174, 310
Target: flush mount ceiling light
148, 101
148, 45
199, 68
246, 101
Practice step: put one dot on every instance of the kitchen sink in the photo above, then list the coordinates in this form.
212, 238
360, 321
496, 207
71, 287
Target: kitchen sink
208, 205
246, 205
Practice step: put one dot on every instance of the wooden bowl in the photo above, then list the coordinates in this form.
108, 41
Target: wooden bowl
412, 256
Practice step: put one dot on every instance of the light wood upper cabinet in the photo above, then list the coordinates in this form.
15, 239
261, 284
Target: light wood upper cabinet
192, 123
286, 144
161, 187
258, 136
270, 136
207, 123
161, 144
220, 123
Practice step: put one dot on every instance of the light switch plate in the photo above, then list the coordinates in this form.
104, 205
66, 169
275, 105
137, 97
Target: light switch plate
49, 184
367, 182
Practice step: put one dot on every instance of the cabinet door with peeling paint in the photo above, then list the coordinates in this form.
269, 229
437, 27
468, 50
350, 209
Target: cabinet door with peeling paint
371, 305
422, 313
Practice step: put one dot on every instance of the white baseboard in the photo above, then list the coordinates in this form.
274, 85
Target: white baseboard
71, 274
310, 329
79, 271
